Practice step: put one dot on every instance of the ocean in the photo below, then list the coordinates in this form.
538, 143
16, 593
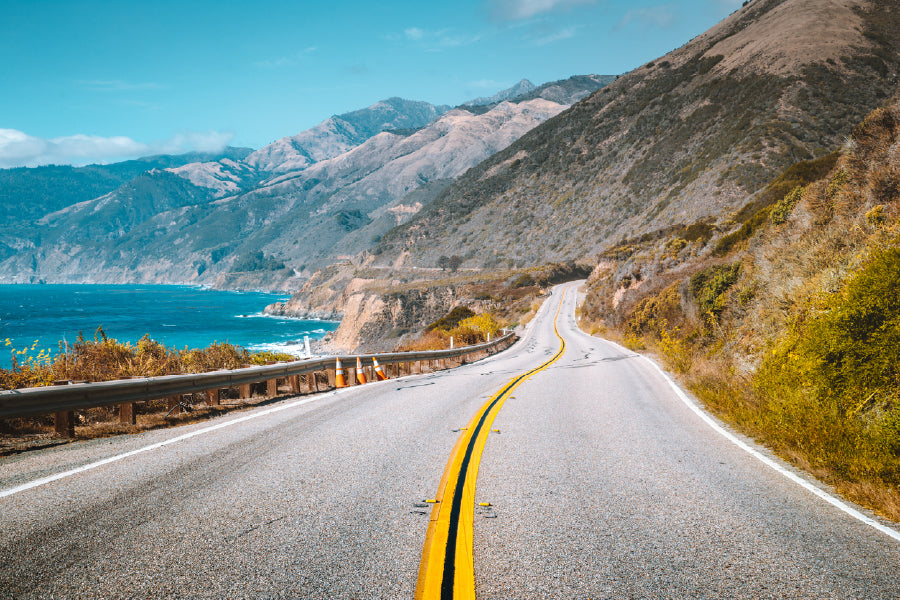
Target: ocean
177, 316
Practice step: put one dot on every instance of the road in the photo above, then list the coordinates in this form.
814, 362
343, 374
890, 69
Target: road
602, 483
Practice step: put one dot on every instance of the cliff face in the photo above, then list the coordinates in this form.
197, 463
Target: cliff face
375, 320
372, 317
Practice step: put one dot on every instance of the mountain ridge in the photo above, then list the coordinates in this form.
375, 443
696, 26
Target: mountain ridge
305, 201
678, 140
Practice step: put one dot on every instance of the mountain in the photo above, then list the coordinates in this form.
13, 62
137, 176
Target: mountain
27, 194
520, 89
340, 133
306, 201
568, 91
688, 138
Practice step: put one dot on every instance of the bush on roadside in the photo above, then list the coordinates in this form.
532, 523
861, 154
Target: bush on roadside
106, 359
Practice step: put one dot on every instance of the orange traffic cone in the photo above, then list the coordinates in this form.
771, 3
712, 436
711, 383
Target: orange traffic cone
340, 380
360, 375
379, 372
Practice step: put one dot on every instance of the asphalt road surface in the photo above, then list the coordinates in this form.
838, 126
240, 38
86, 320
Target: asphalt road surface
603, 483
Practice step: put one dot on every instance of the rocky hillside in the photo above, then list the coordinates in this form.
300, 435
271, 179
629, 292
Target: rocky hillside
788, 325
688, 138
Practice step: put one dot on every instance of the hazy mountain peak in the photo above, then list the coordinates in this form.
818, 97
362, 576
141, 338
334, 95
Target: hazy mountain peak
339, 133
523, 87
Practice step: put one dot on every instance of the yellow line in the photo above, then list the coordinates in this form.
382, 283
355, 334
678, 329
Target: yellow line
447, 569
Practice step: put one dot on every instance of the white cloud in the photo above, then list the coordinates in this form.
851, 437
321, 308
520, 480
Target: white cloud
660, 17
18, 149
414, 33
514, 10
434, 40
562, 34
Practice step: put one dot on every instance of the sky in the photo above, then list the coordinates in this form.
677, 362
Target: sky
100, 81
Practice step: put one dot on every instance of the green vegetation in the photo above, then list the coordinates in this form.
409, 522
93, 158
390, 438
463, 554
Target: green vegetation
847, 353
709, 287
453, 263
523, 280
775, 201
256, 261
783, 207
451, 319
461, 324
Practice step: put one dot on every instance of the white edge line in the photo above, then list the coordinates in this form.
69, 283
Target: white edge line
50, 478
830, 499
837, 503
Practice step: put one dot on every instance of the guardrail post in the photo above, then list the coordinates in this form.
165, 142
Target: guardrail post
64, 423
311, 383
331, 377
244, 391
212, 397
174, 403
271, 388
126, 413
294, 381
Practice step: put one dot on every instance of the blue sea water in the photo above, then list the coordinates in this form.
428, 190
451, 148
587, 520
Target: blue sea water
177, 316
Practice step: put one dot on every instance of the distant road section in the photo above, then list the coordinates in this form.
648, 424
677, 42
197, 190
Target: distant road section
601, 483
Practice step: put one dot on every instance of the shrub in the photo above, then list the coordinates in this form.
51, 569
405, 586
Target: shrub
256, 261
876, 217
521, 281
653, 314
476, 329
710, 286
728, 242
676, 245
783, 207
106, 359
451, 319
849, 351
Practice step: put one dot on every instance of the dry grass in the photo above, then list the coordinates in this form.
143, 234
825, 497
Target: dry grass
798, 350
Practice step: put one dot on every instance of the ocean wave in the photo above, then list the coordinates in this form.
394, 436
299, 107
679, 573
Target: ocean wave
293, 348
262, 315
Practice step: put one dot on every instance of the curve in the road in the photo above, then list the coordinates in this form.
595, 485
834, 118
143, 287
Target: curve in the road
447, 569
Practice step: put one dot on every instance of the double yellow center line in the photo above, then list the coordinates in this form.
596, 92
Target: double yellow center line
447, 570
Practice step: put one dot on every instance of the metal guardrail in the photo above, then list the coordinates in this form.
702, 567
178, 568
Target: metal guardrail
29, 402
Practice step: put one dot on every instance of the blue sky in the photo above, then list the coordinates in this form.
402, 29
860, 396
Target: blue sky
98, 81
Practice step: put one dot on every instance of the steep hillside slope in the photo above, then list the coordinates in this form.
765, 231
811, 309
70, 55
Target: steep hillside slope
688, 137
789, 325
